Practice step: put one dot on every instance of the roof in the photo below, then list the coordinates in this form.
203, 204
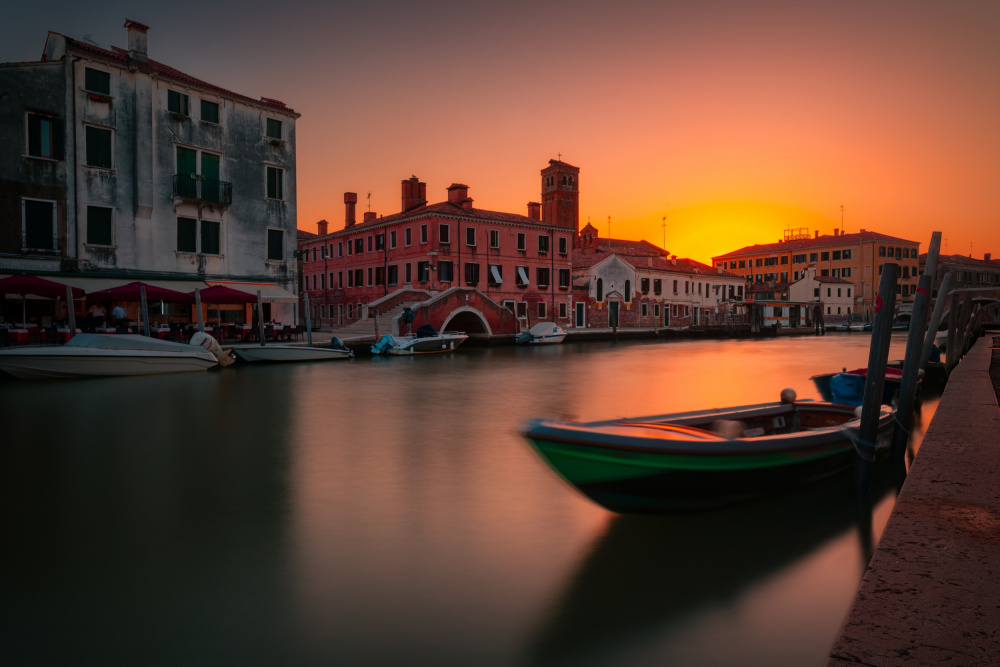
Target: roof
120, 56
760, 288
963, 260
303, 235
644, 255
819, 242
832, 279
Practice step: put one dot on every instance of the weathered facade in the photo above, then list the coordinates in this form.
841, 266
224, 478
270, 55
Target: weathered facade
114, 165
836, 296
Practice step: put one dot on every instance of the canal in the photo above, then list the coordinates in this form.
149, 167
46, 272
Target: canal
387, 512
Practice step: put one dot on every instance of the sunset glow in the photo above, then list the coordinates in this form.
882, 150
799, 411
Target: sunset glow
733, 120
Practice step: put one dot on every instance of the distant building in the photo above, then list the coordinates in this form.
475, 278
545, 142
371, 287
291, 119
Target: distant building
856, 257
115, 166
836, 296
967, 272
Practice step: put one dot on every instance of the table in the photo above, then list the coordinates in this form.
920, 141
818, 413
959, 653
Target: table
18, 336
62, 333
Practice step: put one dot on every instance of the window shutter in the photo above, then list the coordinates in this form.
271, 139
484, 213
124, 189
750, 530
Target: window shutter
34, 135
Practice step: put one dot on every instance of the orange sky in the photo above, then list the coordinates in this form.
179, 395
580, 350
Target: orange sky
733, 119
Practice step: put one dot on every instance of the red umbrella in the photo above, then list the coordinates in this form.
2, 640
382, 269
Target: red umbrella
222, 294
130, 292
24, 284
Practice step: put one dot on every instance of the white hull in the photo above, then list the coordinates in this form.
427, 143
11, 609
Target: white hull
278, 353
543, 340
407, 345
62, 362
543, 333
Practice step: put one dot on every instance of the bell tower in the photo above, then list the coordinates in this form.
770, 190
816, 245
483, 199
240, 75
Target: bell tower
561, 195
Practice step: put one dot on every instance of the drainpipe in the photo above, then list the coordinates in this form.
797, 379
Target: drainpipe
72, 130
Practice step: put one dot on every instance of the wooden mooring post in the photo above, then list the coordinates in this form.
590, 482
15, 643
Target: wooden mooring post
878, 357
932, 326
309, 331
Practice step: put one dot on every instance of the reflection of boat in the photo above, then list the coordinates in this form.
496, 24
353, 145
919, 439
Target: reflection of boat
699, 459
425, 341
935, 375
850, 390
856, 326
95, 355
278, 353
646, 576
541, 333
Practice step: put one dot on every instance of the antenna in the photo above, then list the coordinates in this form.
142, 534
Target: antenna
609, 228
664, 225
369, 202
841, 218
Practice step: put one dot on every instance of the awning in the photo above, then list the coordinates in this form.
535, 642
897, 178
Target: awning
100, 284
495, 272
523, 275
268, 291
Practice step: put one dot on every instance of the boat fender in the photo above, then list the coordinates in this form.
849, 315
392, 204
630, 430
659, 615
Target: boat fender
787, 395
212, 347
729, 428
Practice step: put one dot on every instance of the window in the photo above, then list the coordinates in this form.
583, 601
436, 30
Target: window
470, 237
813, 257
829, 292
408, 275
393, 277
275, 183
847, 254
274, 129
521, 276
563, 245
446, 271
644, 285
42, 136
209, 112
645, 310
824, 256
359, 245
187, 235
369, 243
839, 292
380, 242
816, 292
541, 310
628, 291
423, 272
743, 264
380, 275
824, 272
496, 275
563, 278
39, 224
562, 311
836, 254
407, 236
275, 244
799, 259
657, 286
392, 238
881, 251
848, 292
340, 279
96, 81
423, 233
177, 103
543, 244
359, 277
784, 259
522, 241
906, 253
471, 273
370, 276
99, 225
494, 238
542, 276
444, 234
210, 237
845, 272
98, 147
675, 287
600, 289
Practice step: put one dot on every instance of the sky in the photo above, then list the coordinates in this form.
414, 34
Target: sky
701, 125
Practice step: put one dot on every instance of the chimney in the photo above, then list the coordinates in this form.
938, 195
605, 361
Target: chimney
467, 203
986, 256
321, 227
370, 215
136, 40
457, 192
414, 194
836, 231
861, 231
535, 210
817, 234
350, 199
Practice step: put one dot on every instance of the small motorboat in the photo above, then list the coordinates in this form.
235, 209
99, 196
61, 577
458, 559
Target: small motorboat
541, 334
693, 460
425, 341
97, 355
848, 387
287, 353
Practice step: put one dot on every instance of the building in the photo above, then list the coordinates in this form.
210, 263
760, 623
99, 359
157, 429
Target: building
621, 283
114, 166
856, 257
469, 268
967, 272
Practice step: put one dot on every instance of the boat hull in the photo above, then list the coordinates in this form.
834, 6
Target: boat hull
288, 353
428, 345
57, 363
671, 470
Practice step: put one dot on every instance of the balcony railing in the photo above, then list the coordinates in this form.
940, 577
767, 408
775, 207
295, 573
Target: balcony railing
191, 186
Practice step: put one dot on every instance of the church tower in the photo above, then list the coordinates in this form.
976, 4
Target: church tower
561, 195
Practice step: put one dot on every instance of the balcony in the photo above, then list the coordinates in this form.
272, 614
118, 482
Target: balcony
203, 190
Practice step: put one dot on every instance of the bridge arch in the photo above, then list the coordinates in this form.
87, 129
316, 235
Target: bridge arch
468, 319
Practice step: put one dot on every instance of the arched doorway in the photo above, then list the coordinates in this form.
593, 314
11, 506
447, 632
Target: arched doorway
469, 320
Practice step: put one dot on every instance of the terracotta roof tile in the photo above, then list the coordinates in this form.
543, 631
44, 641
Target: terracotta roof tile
821, 242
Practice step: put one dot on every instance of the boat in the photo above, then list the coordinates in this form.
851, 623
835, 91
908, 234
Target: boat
850, 390
696, 460
845, 326
541, 334
285, 353
425, 341
97, 355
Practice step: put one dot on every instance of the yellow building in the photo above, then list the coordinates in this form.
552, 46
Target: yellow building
856, 257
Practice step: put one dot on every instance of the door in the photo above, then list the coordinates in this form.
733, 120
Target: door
210, 177
187, 167
613, 313
580, 311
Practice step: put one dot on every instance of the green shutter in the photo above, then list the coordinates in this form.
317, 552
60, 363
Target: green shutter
187, 230
273, 128
187, 161
209, 237
275, 245
99, 225
98, 147
210, 166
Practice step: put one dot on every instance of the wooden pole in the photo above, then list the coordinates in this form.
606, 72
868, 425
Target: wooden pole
71, 310
911, 367
932, 327
197, 306
878, 357
962, 333
309, 331
260, 317
952, 331
145, 311
377, 337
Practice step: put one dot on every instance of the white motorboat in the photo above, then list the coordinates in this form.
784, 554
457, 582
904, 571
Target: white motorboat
542, 333
425, 341
97, 355
281, 353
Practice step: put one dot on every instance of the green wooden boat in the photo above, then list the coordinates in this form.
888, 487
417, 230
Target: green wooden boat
693, 460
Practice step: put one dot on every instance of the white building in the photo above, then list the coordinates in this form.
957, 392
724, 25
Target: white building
836, 295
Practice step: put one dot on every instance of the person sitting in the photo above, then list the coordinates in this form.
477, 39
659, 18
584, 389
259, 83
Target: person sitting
97, 314
120, 319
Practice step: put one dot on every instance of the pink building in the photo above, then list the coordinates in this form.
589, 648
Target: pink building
457, 266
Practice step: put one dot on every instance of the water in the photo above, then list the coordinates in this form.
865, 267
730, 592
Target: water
387, 512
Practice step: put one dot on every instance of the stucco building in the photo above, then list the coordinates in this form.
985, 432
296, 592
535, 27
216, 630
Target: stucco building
114, 166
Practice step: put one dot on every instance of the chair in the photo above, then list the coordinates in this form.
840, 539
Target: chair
51, 335
294, 332
268, 332
4, 337
175, 332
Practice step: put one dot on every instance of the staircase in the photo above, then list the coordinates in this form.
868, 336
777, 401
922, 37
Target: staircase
365, 328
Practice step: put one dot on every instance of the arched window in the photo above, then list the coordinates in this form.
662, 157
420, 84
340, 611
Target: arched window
600, 289
628, 291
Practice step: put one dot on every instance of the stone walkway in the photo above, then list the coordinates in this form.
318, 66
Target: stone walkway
931, 594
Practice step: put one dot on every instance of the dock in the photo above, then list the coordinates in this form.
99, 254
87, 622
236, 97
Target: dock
931, 593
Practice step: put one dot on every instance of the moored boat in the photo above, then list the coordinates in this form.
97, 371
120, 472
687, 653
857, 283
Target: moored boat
692, 460
835, 388
289, 353
542, 333
425, 341
97, 355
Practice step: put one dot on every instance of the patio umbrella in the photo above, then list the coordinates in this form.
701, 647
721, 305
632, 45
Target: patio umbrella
220, 294
24, 284
132, 292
